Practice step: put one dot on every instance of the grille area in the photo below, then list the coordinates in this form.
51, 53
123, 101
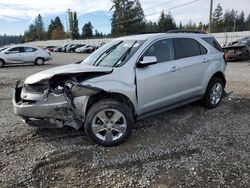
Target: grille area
35, 88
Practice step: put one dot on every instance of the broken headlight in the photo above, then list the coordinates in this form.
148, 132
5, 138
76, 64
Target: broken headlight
35, 88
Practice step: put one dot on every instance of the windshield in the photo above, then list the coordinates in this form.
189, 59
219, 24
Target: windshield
113, 54
2, 49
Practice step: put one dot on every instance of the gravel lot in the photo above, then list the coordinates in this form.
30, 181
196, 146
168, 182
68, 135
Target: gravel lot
186, 147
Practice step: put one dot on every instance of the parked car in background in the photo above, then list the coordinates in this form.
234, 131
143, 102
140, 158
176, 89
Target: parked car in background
127, 79
23, 54
85, 49
49, 48
65, 49
238, 50
74, 47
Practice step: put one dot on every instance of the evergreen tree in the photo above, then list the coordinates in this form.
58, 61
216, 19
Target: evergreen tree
56, 29
128, 17
180, 26
51, 27
166, 22
229, 19
200, 26
241, 25
10, 39
30, 34
73, 25
190, 26
98, 34
87, 30
58, 23
247, 23
57, 34
39, 27
217, 19
150, 27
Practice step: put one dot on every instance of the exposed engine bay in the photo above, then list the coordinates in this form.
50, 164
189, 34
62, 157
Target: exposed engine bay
54, 102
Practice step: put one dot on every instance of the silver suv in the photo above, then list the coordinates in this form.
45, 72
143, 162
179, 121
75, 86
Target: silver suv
125, 80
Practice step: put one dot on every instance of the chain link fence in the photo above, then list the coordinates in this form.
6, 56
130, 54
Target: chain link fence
222, 38
227, 37
95, 42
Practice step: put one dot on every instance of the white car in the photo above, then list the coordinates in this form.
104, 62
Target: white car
83, 49
23, 54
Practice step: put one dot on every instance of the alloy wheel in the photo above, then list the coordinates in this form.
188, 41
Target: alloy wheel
216, 93
109, 125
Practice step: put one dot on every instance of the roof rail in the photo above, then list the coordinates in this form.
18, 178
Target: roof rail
186, 31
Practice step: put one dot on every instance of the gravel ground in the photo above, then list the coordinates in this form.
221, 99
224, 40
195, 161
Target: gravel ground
186, 147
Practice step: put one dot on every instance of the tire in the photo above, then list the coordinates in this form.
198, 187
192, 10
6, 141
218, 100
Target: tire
214, 93
1, 63
245, 56
108, 123
39, 61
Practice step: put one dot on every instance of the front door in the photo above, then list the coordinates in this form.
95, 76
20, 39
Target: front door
158, 85
14, 55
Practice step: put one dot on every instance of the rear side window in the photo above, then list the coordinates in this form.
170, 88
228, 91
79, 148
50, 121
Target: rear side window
212, 41
29, 49
163, 50
187, 47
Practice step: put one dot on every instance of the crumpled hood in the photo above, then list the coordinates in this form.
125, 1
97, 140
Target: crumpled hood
62, 70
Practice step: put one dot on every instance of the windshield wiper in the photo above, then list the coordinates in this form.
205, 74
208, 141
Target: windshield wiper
123, 57
108, 51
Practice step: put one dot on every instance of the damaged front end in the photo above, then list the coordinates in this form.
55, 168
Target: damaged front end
57, 102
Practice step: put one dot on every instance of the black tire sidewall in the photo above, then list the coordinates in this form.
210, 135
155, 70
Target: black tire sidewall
108, 104
1, 63
207, 100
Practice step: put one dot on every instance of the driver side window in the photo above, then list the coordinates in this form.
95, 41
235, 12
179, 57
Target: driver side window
163, 50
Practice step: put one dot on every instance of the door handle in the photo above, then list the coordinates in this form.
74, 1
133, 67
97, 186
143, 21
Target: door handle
205, 60
174, 69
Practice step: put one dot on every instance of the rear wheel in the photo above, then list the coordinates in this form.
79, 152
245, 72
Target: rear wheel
214, 93
245, 56
1, 63
39, 61
108, 123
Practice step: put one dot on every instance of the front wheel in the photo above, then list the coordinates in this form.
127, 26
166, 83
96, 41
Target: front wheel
108, 122
214, 93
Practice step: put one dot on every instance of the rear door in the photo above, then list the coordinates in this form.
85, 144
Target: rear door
29, 54
158, 85
14, 55
192, 63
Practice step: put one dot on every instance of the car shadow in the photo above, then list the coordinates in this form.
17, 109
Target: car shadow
69, 133
168, 115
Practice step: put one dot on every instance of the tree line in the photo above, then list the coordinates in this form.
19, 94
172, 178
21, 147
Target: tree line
56, 30
10, 39
128, 18
230, 20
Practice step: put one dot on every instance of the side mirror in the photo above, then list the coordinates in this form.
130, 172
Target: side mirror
147, 60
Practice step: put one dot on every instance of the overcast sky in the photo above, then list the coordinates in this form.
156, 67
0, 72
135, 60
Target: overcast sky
16, 15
